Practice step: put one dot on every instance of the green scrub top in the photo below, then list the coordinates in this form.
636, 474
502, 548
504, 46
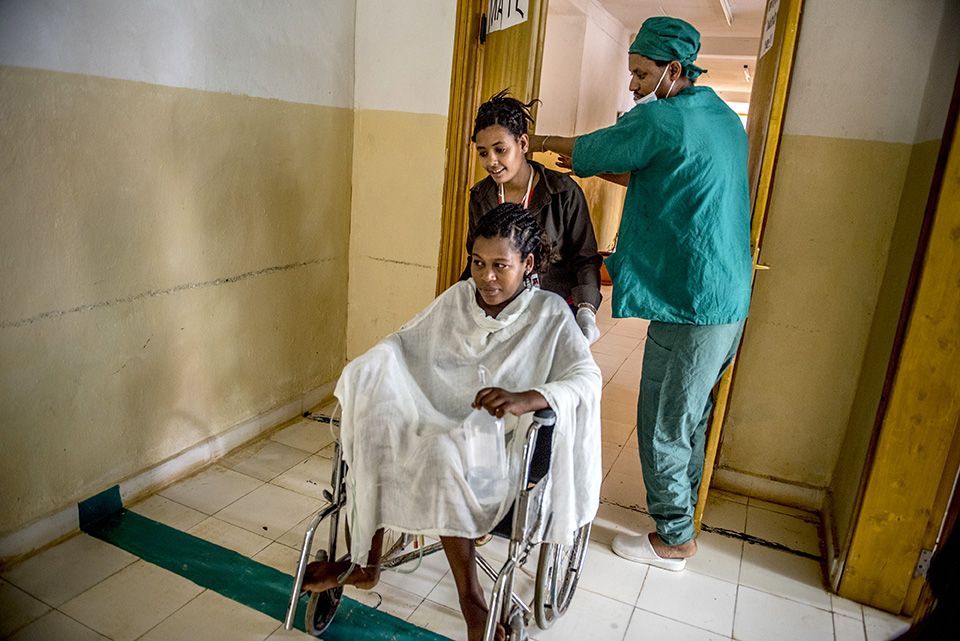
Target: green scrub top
683, 251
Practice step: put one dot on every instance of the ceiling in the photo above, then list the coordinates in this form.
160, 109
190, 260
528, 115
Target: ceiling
725, 48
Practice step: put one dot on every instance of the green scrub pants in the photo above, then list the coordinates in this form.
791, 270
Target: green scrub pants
681, 365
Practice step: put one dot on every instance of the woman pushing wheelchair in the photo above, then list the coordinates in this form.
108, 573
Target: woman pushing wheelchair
405, 400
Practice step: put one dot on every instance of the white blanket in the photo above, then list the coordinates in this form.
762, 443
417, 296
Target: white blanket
404, 400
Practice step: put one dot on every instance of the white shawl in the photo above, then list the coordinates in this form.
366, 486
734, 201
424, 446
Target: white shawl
404, 400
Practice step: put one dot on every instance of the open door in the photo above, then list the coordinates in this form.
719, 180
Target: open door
768, 100
912, 468
484, 62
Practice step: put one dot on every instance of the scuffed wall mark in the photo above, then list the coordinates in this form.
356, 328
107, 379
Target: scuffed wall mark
153, 293
401, 262
147, 343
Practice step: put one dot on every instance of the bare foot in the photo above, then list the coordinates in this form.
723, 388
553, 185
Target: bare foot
475, 615
323, 575
664, 551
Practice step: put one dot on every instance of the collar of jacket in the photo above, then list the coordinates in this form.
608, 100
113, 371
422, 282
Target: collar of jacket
555, 182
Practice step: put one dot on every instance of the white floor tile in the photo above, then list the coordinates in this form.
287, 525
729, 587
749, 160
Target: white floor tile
279, 557
625, 490
421, 581
269, 510
168, 512
305, 434
132, 601
601, 565
628, 464
616, 432
614, 343
386, 598
696, 599
647, 626
613, 519
212, 489
847, 628
784, 574
631, 327
62, 572
764, 617
265, 459
722, 513
230, 536
212, 617
881, 626
590, 616
717, 556
791, 531
56, 626
608, 455
290, 635
621, 411
846, 607
440, 619
17, 609
309, 477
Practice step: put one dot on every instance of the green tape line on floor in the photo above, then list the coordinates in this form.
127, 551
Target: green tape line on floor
244, 580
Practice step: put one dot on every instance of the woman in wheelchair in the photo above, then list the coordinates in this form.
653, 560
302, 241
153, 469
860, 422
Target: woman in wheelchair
404, 401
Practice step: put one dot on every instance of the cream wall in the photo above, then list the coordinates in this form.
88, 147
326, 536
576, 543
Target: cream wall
855, 155
174, 230
404, 54
583, 85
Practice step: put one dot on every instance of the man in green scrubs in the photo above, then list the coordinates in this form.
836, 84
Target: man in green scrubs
682, 261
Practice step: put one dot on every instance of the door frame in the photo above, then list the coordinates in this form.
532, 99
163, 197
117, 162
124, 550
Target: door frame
774, 69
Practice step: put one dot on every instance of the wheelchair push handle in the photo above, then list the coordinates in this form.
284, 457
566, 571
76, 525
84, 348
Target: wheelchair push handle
545, 417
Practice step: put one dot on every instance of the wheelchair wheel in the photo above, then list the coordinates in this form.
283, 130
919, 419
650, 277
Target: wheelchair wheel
557, 574
322, 606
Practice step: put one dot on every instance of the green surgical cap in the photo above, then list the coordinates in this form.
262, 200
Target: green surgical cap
662, 38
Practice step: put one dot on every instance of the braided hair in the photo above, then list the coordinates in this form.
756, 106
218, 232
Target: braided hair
513, 222
504, 110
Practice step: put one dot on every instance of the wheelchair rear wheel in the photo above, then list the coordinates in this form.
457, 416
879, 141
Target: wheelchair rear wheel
322, 606
557, 575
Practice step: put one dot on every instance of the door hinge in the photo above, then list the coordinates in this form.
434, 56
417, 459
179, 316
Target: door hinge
923, 563
483, 28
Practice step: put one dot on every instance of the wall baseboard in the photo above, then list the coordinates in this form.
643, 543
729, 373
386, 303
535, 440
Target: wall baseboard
759, 487
64, 522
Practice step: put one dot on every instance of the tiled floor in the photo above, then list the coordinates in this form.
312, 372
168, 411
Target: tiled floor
257, 502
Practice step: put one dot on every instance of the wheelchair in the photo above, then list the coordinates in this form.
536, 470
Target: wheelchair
558, 566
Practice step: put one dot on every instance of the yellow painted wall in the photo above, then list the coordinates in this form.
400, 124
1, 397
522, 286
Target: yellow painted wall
404, 53
833, 209
398, 168
174, 261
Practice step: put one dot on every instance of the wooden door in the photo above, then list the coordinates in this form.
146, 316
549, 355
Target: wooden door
768, 99
483, 64
912, 466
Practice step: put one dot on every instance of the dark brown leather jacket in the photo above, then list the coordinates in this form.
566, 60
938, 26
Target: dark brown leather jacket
559, 206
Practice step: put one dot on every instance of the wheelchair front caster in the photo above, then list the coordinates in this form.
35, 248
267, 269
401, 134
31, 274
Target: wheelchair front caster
322, 606
517, 631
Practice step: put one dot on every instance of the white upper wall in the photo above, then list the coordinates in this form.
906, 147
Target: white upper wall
397, 72
584, 80
865, 79
302, 51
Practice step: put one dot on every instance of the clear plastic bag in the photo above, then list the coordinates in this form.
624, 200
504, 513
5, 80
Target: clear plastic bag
486, 457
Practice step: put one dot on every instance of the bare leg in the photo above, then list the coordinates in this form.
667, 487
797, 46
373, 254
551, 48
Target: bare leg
324, 575
462, 556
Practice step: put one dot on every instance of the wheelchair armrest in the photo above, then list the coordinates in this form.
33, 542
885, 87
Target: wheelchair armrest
545, 416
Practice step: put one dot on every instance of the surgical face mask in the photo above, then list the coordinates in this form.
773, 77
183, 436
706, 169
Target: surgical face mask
652, 96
